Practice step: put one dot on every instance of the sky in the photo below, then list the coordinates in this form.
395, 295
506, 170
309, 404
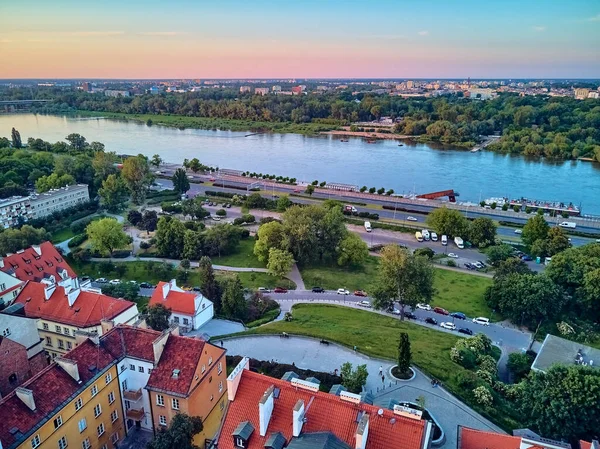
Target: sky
300, 39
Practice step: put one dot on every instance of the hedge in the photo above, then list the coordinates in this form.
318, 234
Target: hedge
77, 240
220, 194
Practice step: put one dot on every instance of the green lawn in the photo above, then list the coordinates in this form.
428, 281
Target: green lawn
332, 277
243, 257
377, 335
61, 235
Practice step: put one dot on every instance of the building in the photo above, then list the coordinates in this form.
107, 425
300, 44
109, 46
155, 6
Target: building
64, 307
594, 95
154, 90
14, 210
276, 88
410, 84
261, 91
520, 439
10, 287
116, 93
297, 90
86, 86
44, 204
556, 350
581, 94
476, 93
245, 89
264, 412
36, 263
189, 310
21, 350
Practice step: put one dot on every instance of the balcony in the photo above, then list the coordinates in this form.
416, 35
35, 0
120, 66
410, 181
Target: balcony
133, 395
137, 414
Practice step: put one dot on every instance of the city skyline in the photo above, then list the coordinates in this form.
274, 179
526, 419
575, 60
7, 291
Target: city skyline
266, 39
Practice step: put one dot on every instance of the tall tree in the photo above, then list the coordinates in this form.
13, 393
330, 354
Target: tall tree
280, 262
233, 303
104, 164
77, 142
156, 160
136, 174
53, 181
16, 139
402, 278
352, 250
269, 235
404, 354
482, 232
149, 221
557, 241
157, 317
354, 380
448, 222
169, 237
113, 193
535, 229
179, 435
210, 287
107, 235
181, 183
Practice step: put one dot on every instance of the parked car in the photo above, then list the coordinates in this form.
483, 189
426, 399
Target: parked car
342, 291
440, 310
264, 290
477, 265
216, 218
526, 258
228, 206
469, 266
280, 290
115, 281
434, 237
197, 289
452, 255
410, 315
431, 320
459, 315
146, 285
394, 311
360, 293
465, 330
482, 320
318, 290
101, 281
518, 231
423, 306
483, 265
411, 218
366, 304
86, 278
448, 325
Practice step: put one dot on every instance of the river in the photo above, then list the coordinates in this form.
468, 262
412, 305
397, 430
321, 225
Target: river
413, 167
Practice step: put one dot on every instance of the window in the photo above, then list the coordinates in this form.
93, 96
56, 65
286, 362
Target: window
104, 446
62, 443
97, 410
160, 400
58, 422
221, 387
211, 398
239, 442
108, 377
2, 287
203, 368
58, 329
6, 332
122, 368
162, 420
132, 367
85, 444
94, 390
78, 404
210, 379
222, 405
82, 424
66, 331
141, 369
220, 368
100, 429
114, 416
111, 397
185, 321
124, 384
61, 344
69, 345
15, 293
48, 341
149, 370
176, 320
127, 404
175, 403
45, 326
114, 437
209, 361
35, 441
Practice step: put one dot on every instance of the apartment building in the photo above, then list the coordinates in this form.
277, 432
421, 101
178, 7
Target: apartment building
14, 210
521, 438
245, 89
10, 287
261, 91
44, 204
264, 412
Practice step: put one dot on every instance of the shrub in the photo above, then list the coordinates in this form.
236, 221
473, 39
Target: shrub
221, 213
220, 194
505, 207
467, 380
185, 264
245, 233
77, 240
451, 263
121, 253
483, 396
145, 245
172, 208
427, 252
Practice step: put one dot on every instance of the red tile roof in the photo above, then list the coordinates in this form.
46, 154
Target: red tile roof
88, 309
179, 302
327, 413
477, 439
127, 341
28, 265
182, 353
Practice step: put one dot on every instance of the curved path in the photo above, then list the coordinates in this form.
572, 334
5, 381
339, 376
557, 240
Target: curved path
308, 353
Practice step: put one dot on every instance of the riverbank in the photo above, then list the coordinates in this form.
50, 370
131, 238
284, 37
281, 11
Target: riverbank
367, 135
183, 122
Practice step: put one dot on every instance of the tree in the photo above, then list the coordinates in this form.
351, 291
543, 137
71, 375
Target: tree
107, 235
193, 208
354, 380
280, 262
511, 266
233, 303
448, 222
563, 402
352, 250
557, 241
113, 193
519, 365
404, 354
427, 252
97, 147
16, 139
104, 164
536, 228
372, 190
482, 232
77, 142
179, 435
13, 240
134, 217
310, 189
149, 221
221, 239
499, 253
169, 237
53, 181
283, 203
157, 317
192, 245
403, 278
210, 287
381, 191
157, 160
181, 183
363, 189
269, 235
136, 174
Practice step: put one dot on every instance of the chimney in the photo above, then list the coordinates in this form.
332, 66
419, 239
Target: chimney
37, 249
298, 418
165, 289
106, 325
1, 263
362, 432
82, 336
72, 296
49, 290
70, 366
265, 409
158, 346
26, 396
233, 380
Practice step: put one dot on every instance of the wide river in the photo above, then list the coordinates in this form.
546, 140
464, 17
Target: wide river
410, 168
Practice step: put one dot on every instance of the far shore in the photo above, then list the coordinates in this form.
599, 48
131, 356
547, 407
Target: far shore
368, 135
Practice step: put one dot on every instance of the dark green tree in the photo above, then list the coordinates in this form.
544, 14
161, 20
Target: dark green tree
354, 380
181, 183
310, 189
157, 317
404, 354
179, 435
134, 217
535, 229
211, 289
482, 232
77, 142
233, 302
16, 139
169, 237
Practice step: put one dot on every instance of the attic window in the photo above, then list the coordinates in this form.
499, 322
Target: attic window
40, 269
58, 259
176, 373
29, 272
14, 265
50, 264
26, 260
37, 256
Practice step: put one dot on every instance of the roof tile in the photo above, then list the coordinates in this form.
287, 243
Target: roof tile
31, 266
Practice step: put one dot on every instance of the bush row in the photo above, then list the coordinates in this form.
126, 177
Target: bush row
362, 215
220, 194
77, 240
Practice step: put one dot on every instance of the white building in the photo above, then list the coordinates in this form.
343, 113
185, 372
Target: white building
481, 94
245, 89
188, 310
116, 93
10, 287
276, 88
11, 209
261, 91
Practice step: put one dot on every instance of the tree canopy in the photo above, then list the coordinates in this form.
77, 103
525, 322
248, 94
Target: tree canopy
106, 235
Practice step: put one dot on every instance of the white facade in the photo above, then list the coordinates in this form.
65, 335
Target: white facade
23, 331
10, 287
13, 208
44, 204
133, 377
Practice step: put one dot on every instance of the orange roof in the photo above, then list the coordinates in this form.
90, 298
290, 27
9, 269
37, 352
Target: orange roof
327, 413
88, 309
178, 302
36, 263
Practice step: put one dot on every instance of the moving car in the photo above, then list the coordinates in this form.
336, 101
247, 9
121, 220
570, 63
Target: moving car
342, 291
465, 330
318, 290
518, 231
264, 290
459, 315
454, 256
526, 258
410, 315
430, 320
440, 310
280, 290
364, 304
423, 306
115, 281
101, 281
368, 227
482, 264
448, 325
216, 218
360, 293
411, 218
482, 320
146, 285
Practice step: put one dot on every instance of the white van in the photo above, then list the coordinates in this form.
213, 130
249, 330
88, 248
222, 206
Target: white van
419, 236
482, 320
434, 237
425, 234
444, 240
368, 226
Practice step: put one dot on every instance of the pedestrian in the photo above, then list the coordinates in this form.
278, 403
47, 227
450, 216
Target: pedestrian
354, 348
382, 379
380, 370
221, 343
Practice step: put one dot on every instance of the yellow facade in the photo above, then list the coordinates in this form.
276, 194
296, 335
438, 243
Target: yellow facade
66, 426
58, 338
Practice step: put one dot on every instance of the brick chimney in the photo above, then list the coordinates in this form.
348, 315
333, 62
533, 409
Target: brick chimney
26, 396
265, 409
362, 431
158, 345
233, 380
70, 366
298, 418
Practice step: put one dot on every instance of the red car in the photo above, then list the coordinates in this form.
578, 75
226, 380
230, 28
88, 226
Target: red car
360, 293
440, 311
279, 290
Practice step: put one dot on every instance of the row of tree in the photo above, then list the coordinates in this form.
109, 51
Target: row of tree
480, 232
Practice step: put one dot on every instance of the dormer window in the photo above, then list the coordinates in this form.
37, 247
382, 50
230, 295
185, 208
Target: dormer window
49, 263
37, 256
242, 433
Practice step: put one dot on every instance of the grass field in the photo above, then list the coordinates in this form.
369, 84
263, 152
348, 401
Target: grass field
243, 257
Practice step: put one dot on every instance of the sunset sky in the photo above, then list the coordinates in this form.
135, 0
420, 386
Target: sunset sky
308, 38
